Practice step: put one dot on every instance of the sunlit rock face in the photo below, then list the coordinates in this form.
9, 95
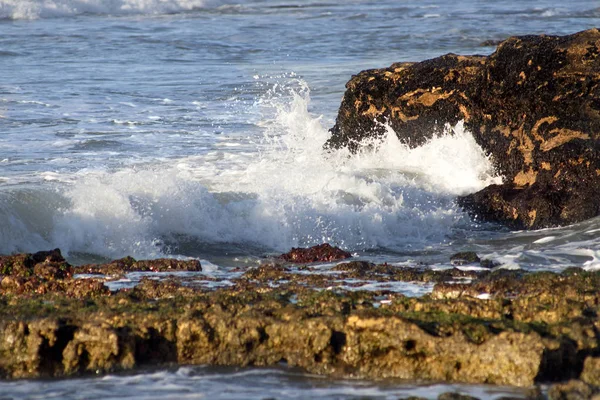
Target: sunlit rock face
533, 105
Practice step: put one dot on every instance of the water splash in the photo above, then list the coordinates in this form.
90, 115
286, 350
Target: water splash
34, 9
287, 192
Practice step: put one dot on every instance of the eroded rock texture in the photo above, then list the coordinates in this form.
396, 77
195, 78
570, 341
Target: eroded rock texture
505, 327
319, 253
534, 105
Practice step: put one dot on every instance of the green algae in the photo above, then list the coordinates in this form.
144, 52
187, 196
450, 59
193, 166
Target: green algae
531, 324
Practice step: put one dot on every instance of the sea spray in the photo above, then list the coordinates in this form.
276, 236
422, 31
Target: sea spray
26, 219
289, 192
34, 9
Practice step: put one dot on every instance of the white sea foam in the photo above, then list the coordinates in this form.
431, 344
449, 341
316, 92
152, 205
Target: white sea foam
552, 12
281, 191
34, 9
288, 192
545, 239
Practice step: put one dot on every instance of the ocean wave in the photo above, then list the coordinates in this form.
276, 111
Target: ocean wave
289, 192
36, 9
286, 191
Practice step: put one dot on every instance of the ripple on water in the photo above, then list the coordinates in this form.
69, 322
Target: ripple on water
237, 383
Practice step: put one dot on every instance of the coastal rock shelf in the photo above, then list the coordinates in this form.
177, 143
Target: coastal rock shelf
533, 105
476, 326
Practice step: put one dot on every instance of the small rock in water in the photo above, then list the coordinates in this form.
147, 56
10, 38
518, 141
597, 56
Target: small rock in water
320, 253
487, 263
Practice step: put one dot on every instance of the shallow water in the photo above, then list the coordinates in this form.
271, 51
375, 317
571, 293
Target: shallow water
235, 383
194, 128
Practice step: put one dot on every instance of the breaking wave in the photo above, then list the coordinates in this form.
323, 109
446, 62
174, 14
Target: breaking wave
35, 9
287, 192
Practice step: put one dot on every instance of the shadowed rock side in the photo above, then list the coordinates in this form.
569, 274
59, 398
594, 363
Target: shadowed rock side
534, 105
529, 328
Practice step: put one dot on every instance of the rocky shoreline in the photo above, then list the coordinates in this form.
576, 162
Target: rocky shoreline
532, 105
476, 326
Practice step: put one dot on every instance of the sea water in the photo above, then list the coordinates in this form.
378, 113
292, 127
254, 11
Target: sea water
192, 128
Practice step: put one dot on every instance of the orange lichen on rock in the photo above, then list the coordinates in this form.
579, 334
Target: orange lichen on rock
532, 105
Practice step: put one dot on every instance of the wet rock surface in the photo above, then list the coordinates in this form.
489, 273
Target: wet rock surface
129, 264
320, 253
497, 327
533, 105
573, 390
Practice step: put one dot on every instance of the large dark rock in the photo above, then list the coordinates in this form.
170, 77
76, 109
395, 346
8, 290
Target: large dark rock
534, 105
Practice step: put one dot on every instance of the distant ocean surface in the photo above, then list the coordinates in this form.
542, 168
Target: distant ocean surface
192, 128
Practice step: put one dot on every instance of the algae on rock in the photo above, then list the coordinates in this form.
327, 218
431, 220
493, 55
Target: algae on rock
528, 328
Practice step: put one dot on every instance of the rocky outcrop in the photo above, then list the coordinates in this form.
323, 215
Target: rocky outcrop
534, 105
319, 253
48, 272
528, 328
46, 264
129, 264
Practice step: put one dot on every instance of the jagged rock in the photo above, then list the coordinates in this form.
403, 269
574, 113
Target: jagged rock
44, 264
535, 328
94, 347
44, 272
361, 345
571, 390
534, 105
50, 256
77, 288
320, 253
129, 264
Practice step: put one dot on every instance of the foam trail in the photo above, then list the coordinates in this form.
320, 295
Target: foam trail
34, 9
